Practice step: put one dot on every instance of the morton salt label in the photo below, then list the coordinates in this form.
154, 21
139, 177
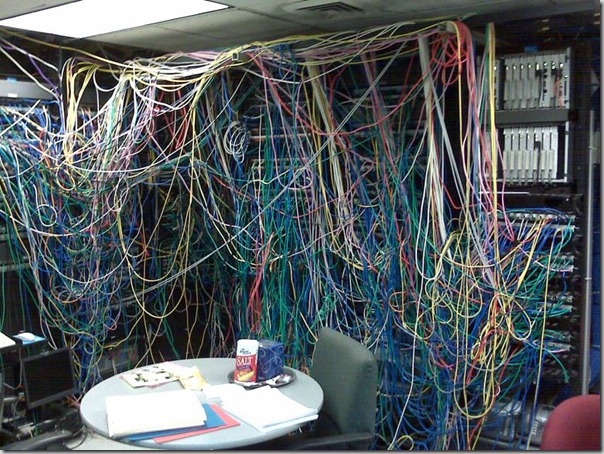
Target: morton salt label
246, 360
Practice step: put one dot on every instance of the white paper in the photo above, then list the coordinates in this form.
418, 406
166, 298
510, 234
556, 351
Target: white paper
266, 408
226, 391
149, 412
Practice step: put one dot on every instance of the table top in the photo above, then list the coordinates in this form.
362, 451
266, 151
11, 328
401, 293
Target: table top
304, 389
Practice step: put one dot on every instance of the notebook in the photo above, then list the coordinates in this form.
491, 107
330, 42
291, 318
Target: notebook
151, 412
266, 408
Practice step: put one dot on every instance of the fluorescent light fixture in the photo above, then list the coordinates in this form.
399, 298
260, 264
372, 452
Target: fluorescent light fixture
87, 18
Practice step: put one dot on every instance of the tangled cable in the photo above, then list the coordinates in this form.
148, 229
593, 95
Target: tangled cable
317, 181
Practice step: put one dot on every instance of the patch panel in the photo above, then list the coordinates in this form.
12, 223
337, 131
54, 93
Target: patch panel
524, 215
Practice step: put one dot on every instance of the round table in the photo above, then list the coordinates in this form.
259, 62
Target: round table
303, 389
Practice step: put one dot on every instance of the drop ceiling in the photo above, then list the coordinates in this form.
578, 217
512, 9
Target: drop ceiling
246, 21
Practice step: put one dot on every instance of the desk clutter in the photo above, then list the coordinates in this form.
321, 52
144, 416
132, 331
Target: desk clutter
158, 374
199, 407
258, 361
216, 419
287, 377
163, 416
152, 412
264, 408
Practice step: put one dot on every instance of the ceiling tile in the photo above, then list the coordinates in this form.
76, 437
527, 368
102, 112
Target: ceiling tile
234, 23
160, 39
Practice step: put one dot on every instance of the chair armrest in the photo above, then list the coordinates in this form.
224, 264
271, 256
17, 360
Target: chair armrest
344, 440
39, 441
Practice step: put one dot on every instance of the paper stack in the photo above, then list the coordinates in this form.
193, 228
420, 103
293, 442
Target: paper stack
155, 411
265, 408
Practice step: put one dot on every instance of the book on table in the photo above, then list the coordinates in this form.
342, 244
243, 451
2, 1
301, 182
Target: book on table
152, 412
264, 408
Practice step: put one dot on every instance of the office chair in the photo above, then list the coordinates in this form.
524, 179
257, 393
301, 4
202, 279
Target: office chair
347, 372
574, 425
52, 440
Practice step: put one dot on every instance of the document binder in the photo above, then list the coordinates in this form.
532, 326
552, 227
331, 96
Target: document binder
151, 412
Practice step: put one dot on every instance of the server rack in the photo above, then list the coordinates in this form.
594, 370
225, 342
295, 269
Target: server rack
547, 175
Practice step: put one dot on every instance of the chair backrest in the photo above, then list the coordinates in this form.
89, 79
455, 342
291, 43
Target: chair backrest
574, 425
347, 372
